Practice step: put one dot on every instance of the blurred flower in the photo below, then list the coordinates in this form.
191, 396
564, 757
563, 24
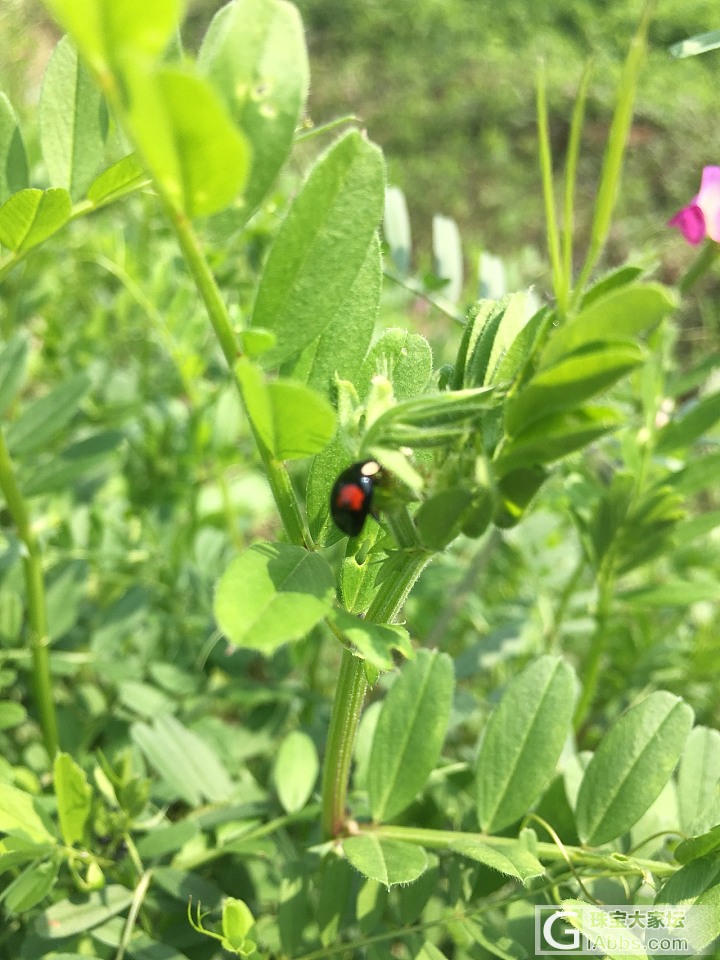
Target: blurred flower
701, 217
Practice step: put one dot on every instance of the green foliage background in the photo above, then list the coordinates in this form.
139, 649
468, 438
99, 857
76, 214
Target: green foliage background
136, 543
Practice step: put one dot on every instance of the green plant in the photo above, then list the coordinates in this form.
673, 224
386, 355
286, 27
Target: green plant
142, 818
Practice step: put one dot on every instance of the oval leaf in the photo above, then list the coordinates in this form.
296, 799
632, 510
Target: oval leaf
698, 778
185, 761
108, 32
387, 861
73, 121
254, 54
271, 594
410, 733
192, 147
569, 382
321, 246
73, 797
374, 642
291, 420
514, 859
620, 315
13, 160
523, 740
65, 919
295, 771
46, 417
634, 761
31, 216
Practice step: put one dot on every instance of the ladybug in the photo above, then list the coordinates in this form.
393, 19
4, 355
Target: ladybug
352, 496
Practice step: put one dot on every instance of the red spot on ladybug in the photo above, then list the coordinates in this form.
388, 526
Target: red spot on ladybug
352, 496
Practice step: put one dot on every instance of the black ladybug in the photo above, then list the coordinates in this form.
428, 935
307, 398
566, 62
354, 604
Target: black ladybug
352, 496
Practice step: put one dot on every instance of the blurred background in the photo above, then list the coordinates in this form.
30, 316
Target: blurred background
447, 88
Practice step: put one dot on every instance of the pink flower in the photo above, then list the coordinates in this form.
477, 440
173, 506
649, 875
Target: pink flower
701, 217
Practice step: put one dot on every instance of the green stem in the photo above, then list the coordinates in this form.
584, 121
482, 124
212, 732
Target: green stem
350, 693
347, 706
560, 283
708, 256
444, 839
277, 474
616, 146
36, 605
573, 153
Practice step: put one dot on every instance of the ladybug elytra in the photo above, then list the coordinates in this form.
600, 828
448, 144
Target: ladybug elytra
352, 496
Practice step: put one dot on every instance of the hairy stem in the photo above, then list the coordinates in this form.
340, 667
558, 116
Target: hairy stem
277, 474
350, 693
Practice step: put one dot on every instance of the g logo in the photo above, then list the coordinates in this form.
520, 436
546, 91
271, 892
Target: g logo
568, 931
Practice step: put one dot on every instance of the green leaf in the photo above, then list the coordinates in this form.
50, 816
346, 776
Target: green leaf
19, 817
671, 593
410, 733
341, 348
13, 161
161, 841
447, 256
13, 360
516, 491
374, 642
73, 121
292, 420
46, 417
254, 54
387, 861
181, 884
522, 741
583, 916
67, 918
554, 437
403, 358
396, 229
429, 951
272, 594
411, 900
31, 216
111, 33
700, 43
611, 281
441, 518
689, 427
632, 764
186, 762
697, 884
335, 884
321, 246
12, 714
476, 345
191, 146
698, 777
569, 382
74, 796
79, 461
622, 314
697, 847
121, 178
295, 771
324, 470
30, 887
514, 860
430, 420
